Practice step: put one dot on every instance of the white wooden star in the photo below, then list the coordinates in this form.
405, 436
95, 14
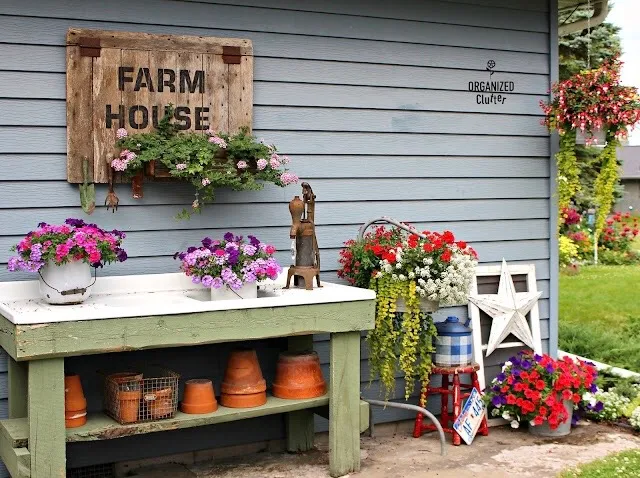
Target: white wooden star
508, 309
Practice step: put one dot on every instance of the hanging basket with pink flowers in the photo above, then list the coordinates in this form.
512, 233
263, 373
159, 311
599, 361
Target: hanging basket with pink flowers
591, 108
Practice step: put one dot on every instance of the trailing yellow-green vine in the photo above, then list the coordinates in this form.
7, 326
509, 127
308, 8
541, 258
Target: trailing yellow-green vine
568, 172
604, 187
405, 341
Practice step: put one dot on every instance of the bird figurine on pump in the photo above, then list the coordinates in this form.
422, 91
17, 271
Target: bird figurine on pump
305, 255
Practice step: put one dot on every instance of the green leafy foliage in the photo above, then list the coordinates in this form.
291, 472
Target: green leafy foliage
208, 160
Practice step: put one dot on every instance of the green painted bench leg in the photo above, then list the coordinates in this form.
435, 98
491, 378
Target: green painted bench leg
299, 424
47, 437
344, 404
17, 389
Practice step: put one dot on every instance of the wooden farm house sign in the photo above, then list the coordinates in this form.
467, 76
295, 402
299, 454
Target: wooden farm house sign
126, 80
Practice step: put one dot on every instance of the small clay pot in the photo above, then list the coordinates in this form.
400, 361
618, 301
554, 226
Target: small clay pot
199, 397
128, 405
74, 399
298, 375
243, 385
75, 419
160, 402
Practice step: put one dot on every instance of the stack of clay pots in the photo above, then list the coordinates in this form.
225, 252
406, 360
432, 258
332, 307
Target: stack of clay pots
243, 385
75, 404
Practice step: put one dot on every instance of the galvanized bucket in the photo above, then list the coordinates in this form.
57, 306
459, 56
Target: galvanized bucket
563, 429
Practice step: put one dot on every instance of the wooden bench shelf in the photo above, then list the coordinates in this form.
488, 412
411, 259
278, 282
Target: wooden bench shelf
15, 431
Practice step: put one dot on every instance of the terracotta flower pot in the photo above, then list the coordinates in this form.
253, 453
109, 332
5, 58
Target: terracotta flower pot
74, 419
160, 402
199, 397
74, 399
128, 405
298, 375
243, 384
125, 377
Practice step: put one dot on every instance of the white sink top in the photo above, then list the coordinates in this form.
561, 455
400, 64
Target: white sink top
157, 294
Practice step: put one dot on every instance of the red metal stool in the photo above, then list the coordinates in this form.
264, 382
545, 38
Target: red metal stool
460, 391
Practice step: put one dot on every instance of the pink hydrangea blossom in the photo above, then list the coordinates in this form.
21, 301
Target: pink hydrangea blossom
274, 162
242, 165
119, 164
288, 178
261, 163
217, 140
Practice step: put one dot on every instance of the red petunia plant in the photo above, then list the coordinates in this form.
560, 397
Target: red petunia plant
533, 388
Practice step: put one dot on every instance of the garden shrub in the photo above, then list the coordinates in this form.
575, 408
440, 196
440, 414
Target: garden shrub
568, 251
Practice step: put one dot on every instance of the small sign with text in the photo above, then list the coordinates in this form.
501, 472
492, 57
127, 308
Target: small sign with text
492, 91
470, 418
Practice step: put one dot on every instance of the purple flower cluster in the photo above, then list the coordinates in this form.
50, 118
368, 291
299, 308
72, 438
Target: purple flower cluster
229, 262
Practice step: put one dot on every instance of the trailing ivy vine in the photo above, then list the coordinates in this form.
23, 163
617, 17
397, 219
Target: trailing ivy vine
605, 183
401, 340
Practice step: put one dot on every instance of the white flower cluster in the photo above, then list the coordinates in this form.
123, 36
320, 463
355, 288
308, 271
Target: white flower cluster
634, 420
450, 286
613, 404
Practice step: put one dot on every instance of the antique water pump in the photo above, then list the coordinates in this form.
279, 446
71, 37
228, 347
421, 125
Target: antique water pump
305, 254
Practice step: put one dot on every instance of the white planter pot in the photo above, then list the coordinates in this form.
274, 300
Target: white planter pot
247, 291
66, 284
599, 137
425, 305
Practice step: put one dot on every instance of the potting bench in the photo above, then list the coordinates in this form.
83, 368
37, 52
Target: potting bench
161, 311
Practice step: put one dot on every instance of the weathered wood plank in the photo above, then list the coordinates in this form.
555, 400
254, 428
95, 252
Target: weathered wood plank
364, 415
18, 389
147, 41
102, 427
216, 93
7, 337
105, 94
344, 390
190, 62
46, 418
241, 95
79, 126
117, 335
300, 424
16, 460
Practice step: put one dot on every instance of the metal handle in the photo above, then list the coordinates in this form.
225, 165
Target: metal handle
77, 290
388, 220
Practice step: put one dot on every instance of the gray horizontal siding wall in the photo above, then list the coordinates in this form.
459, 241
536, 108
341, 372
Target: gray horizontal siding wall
373, 109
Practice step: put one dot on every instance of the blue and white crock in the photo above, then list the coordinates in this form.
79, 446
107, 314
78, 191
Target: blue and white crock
454, 345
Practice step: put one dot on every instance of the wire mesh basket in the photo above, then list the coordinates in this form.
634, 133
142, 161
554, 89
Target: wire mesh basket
135, 397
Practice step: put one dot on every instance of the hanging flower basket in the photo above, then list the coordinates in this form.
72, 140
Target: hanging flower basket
597, 137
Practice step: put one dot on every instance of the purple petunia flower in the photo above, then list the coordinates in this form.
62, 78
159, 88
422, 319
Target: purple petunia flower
538, 358
526, 364
121, 255
516, 372
496, 401
501, 377
593, 388
74, 222
496, 388
233, 257
206, 242
228, 237
599, 407
254, 241
549, 368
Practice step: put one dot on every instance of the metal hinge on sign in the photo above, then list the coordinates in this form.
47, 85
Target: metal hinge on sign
231, 55
89, 46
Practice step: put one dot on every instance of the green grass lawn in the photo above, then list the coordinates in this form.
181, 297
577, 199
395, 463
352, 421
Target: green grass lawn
625, 464
600, 314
